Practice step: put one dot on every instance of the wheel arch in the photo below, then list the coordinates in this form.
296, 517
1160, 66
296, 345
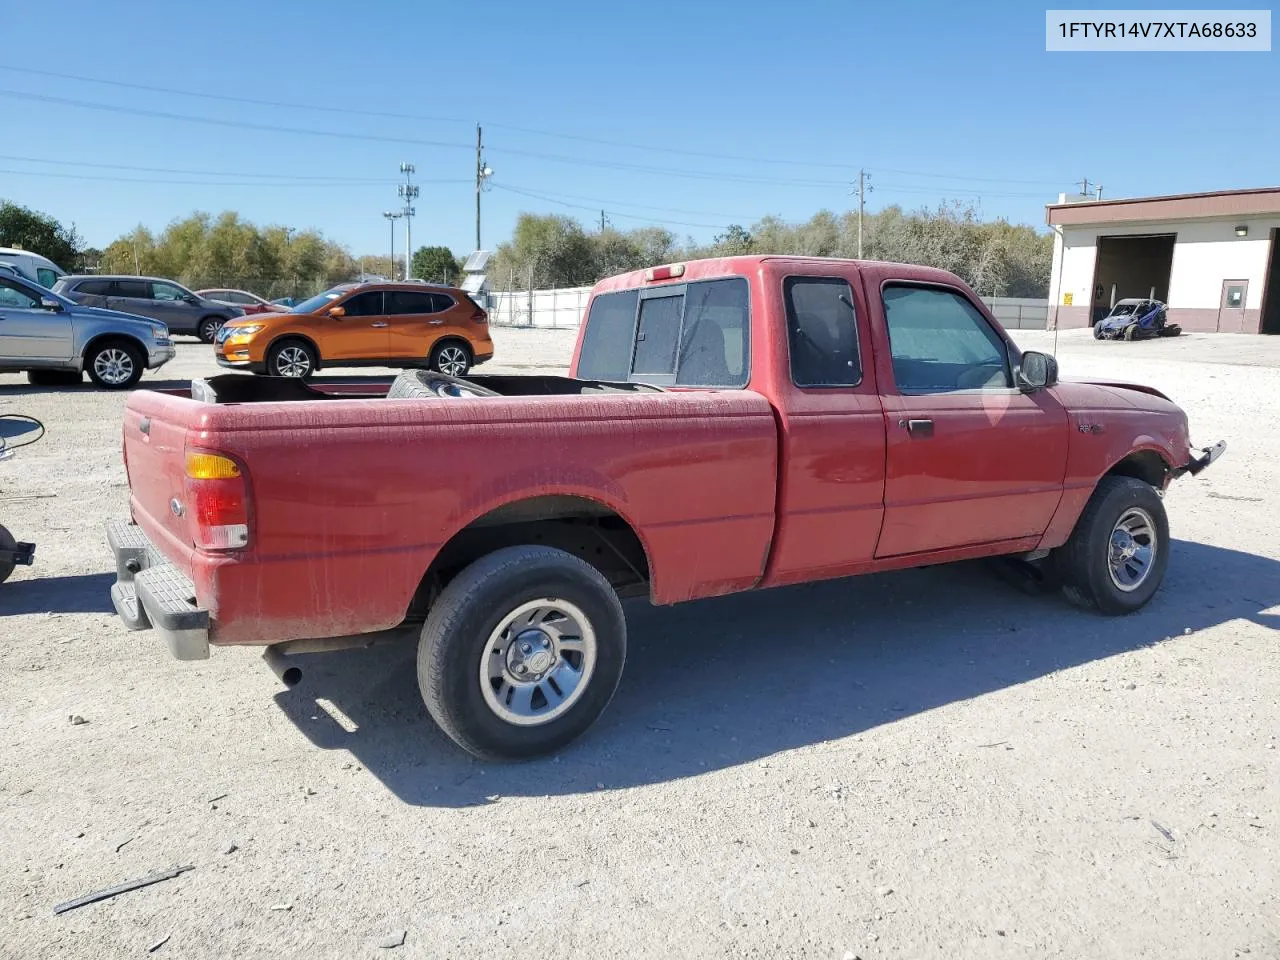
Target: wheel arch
290, 335
453, 338
1147, 464
580, 524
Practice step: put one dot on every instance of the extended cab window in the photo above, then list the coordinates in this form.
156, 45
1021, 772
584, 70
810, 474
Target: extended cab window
822, 332
693, 334
940, 342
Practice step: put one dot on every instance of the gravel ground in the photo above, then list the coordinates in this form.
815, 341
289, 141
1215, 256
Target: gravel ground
924, 764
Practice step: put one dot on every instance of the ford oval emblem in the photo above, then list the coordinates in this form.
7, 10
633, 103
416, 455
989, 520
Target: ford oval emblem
176, 507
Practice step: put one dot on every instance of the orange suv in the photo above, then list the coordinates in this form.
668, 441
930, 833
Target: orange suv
362, 324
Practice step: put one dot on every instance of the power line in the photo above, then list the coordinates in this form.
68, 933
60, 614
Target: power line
582, 206
198, 183
614, 204
428, 118
515, 151
206, 173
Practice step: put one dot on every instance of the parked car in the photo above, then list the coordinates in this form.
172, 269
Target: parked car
286, 301
32, 266
727, 424
248, 302
54, 339
171, 303
362, 324
1135, 319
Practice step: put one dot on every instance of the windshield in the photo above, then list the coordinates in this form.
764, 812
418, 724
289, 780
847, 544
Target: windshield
319, 301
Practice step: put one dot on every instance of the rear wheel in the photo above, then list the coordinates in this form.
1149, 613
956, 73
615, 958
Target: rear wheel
291, 358
208, 329
1118, 552
451, 357
115, 364
521, 652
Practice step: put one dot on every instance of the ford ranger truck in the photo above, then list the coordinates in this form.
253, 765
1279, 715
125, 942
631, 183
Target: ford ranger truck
728, 424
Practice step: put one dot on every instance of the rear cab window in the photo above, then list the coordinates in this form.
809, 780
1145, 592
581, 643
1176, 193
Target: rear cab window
822, 332
694, 334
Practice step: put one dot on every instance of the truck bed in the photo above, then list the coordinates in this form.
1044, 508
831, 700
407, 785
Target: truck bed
353, 496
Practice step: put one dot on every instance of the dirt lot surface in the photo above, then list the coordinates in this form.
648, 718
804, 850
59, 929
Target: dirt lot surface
925, 764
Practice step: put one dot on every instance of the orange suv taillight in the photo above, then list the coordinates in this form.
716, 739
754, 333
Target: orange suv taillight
479, 316
218, 501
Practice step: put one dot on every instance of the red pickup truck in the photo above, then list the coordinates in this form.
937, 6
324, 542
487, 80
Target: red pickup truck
728, 424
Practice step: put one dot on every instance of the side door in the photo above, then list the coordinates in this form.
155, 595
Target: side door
1231, 315
416, 323
361, 333
831, 468
29, 331
132, 296
172, 304
970, 458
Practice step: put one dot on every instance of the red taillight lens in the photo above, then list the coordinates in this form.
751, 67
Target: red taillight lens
479, 316
217, 501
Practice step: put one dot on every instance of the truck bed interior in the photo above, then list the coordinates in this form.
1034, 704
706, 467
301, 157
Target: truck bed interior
249, 388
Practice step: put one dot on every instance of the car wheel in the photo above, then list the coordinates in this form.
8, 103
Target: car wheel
291, 358
521, 652
115, 365
418, 384
451, 358
1116, 557
6, 543
1097, 330
208, 329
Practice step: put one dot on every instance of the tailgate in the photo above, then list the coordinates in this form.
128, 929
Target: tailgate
155, 435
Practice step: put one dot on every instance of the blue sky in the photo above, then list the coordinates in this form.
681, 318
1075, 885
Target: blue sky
938, 100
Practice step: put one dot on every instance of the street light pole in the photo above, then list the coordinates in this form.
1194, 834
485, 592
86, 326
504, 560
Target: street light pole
391, 220
483, 173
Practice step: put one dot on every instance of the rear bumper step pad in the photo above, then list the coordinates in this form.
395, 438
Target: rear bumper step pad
151, 593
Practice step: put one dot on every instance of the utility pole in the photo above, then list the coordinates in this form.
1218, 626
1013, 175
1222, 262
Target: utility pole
1084, 186
604, 221
1099, 196
408, 193
483, 173
863, 189
392, 217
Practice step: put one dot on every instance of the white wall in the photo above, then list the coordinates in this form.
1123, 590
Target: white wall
1206, 253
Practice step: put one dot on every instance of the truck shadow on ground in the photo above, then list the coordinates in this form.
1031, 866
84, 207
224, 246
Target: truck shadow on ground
85, 593
717, 683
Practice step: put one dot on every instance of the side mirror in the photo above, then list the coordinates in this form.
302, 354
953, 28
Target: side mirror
1036, 371
336, 312
48, 303
191, 299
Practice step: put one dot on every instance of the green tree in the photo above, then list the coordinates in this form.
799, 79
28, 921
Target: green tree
39, 233
437, 264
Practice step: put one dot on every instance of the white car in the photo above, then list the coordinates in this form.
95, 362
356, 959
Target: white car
31, 266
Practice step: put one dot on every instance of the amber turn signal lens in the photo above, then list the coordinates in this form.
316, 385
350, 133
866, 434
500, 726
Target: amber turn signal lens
210, 466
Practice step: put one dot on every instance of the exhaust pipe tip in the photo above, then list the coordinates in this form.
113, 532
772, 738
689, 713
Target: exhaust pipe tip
287, 673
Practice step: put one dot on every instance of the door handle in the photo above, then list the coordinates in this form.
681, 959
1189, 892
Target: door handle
918, 428
379, 324
435, 323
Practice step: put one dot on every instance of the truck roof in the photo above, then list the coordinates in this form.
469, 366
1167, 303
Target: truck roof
746, 265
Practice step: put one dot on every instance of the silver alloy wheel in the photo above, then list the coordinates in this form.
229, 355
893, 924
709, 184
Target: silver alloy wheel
452, 360
209, 330
1132, 550
113, 366
293, 362
538, 662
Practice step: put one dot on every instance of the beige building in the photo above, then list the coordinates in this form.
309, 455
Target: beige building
1211, 257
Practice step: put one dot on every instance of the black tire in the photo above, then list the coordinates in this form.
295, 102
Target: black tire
6, 543
1084, 561
451, 357
1097, 330
424, 384
466, 616
115, 364
291, 354
207, 329
54, 378
1131, 332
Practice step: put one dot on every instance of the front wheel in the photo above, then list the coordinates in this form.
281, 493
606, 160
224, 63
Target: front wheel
291, 358
208, 329
115, 365
1097, 330
521, 652
451, 358
1118, 552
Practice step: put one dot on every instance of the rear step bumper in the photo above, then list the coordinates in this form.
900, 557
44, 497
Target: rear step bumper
151, 593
